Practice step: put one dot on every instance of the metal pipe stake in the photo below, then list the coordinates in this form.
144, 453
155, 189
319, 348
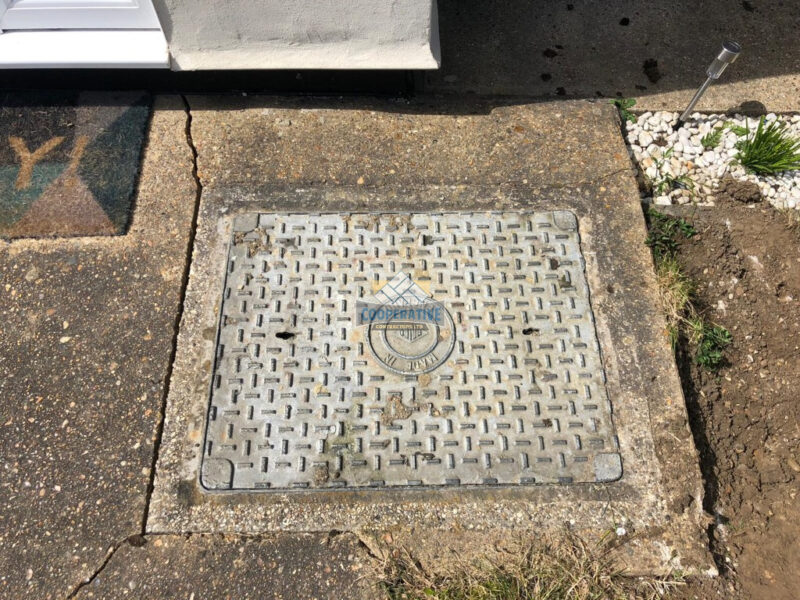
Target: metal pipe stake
729, 53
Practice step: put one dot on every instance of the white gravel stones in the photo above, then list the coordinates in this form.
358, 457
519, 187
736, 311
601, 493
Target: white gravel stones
665, 155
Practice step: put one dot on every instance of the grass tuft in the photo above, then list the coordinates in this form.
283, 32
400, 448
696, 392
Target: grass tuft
676, 291
555, 569
769, 150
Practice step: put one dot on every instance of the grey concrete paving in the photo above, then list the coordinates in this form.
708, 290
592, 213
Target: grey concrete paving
582, 48
86, 332
263, 154
274, 143
211, 567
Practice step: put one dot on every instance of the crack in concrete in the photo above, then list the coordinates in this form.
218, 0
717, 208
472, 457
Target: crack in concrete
109, 554
178, 316
138, 539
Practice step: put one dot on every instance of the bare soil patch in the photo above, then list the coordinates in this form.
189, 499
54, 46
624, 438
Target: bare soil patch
745, 260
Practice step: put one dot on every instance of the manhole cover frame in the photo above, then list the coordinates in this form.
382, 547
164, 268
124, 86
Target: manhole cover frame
608, 465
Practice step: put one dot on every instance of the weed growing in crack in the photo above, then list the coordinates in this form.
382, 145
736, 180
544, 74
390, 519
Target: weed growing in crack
676, 290
769, 150
623, 104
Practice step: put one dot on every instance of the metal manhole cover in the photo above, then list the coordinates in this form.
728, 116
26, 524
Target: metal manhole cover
394, 350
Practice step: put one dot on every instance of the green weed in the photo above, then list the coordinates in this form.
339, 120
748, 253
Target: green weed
738, 130
665, 183
712, 139
713, 339
663, 234
623, 104
769, 150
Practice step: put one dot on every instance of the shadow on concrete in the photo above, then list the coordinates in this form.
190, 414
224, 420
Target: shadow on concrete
381, 83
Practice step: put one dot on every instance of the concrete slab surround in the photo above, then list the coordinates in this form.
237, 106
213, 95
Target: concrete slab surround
394, 156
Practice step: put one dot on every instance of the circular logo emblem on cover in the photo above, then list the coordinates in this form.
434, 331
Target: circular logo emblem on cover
414, 339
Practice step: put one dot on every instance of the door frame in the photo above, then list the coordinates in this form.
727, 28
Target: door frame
3, 8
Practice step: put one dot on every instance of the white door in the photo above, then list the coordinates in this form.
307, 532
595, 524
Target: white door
78, 14
81, 34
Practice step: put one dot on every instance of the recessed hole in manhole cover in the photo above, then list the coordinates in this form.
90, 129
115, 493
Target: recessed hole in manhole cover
407, 350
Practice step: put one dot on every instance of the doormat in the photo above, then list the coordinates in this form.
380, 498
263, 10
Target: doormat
69, 162
453, 349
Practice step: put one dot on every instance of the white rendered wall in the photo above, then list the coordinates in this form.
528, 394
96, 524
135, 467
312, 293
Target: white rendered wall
300, 34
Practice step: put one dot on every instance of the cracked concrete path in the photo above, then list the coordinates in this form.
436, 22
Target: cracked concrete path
86, 336
275, 567
88, 327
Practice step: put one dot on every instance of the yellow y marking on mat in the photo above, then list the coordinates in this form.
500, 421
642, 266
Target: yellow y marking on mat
29, 159
76, 154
